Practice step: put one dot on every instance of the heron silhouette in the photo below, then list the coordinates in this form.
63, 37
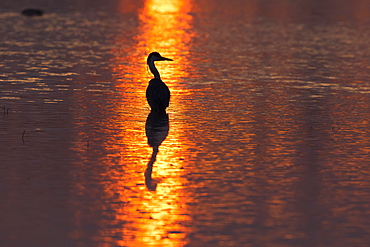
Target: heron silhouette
157, 92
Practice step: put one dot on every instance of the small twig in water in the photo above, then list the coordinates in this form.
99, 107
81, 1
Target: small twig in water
24, 132
6, 110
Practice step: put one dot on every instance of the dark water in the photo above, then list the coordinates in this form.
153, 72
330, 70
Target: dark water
266, 141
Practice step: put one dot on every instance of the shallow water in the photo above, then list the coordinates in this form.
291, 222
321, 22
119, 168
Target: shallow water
266, 141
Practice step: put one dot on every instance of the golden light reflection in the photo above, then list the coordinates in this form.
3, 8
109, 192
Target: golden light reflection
166, 6
152, 183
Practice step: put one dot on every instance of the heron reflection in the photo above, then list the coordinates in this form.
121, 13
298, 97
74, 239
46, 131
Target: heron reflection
156, 128
157, 92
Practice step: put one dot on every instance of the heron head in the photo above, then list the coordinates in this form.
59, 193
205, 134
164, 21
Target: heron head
155, 56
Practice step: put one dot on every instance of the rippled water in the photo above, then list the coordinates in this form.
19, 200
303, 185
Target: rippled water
266, 141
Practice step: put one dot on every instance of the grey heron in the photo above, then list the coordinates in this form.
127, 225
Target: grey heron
157, 92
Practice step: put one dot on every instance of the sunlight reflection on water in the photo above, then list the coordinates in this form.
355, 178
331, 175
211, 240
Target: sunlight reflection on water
266, 141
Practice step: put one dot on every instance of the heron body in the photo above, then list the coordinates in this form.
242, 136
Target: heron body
157, 92
158, 95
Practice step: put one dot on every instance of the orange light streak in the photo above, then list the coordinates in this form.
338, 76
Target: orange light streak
154, 213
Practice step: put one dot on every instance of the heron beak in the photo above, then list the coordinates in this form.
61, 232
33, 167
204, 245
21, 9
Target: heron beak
165, 59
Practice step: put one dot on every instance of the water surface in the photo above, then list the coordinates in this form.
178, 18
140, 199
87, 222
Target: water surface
266, 141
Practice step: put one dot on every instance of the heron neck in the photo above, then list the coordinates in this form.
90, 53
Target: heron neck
154, 70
